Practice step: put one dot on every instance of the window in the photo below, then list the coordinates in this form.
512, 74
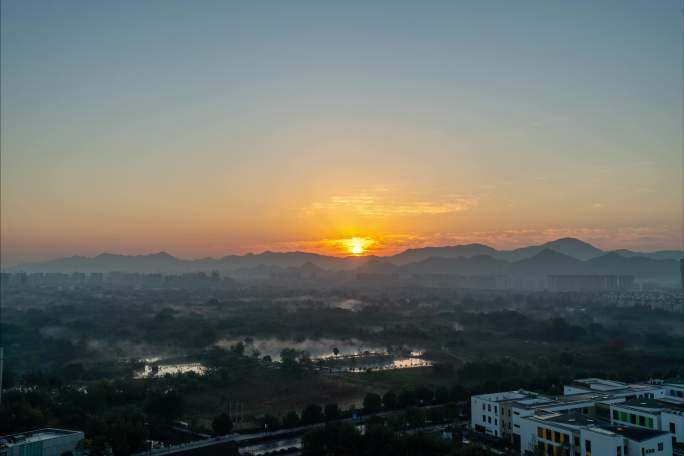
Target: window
540, 433
672, 428
587, 446
618, 451
489, 407
489, 419
642, 420
484, 419
495, 409
661, 447
495, 422
649, 422
624, 417
615, 415
483, 406
548, 434
632, 418
556, 436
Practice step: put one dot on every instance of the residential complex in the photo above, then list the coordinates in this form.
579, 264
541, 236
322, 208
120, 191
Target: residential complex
593, 416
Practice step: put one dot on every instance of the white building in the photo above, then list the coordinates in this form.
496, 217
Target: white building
489, 414
662, 414
574, 434
615, 405
616, 389
42, 442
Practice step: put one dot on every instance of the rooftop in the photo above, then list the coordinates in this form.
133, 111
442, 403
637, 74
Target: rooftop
575, 419
508, 396
654, 405
633, 433
599, 384
34, 436
578, 420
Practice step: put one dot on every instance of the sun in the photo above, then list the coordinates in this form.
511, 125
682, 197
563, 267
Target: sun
358, 245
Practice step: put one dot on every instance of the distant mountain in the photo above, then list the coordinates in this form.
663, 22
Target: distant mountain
455, 251
562, 256
377, 266
547, 262
638, 266
107, 262
568, 246
476, 265
659, 255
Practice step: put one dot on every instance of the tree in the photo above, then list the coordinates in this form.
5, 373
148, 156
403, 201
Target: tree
415, 417
288, 359
443, 369
238, 349
406, 399
458, 393
312, 414
441, 395
424, 395
389, 400
125, 430
222, 424
291, 419
372, 403
166, 407
331, 412
270, 422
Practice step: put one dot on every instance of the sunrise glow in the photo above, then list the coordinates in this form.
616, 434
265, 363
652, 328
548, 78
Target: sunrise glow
358, 245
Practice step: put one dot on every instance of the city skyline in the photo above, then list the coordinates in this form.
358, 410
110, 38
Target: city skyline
250, 127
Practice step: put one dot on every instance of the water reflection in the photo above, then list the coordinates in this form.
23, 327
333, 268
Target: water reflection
160, 370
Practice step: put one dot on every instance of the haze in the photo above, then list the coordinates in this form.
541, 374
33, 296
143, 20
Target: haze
302, 125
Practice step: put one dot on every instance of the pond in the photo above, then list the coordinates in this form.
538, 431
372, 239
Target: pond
155, 369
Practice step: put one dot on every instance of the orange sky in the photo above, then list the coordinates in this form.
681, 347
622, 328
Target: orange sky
235, 127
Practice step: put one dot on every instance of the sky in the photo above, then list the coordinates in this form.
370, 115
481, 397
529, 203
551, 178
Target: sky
210, 128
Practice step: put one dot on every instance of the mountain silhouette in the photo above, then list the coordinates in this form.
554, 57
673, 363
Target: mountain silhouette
562, 256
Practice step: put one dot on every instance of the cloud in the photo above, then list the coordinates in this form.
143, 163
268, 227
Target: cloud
381, 203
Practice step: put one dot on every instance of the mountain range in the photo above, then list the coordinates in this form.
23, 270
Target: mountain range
562, 256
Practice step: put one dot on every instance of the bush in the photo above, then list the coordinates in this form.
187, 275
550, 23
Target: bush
312, 414
331, 412
222, 424
372, 403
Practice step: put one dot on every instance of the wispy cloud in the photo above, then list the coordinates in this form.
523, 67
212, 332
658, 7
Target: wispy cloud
382, 203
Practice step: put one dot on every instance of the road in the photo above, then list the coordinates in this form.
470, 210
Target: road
243, 439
